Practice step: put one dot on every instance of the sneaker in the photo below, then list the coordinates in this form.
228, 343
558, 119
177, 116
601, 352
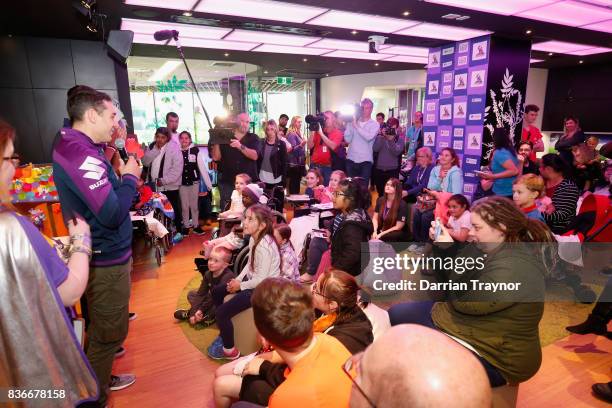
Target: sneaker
198, 231
603, 391
177, 238
218, 353
120, 352
121, 381
217, 343
181, 314
133, 316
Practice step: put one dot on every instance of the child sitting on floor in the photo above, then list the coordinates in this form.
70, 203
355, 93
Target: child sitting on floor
216, 276
525, 191
291, 266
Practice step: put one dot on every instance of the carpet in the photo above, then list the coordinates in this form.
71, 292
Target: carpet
557, 315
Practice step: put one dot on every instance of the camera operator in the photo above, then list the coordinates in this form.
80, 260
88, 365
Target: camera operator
360, 135
322, 144
239, 156
389, 146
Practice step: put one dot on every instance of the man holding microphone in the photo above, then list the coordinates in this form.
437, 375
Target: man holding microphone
89, 188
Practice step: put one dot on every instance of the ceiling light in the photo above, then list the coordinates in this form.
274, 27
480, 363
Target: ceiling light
260, 9
265, 72
605, 26
534, 61
559, 46
569, 13
406, 50
363, 22
326, 75
355, 55
376, 64
347, 45
305, 59
187, 13
270, 38
591, 51
185, 30
407, 58
226, 54
174, 4
285, 49
343, 62
164, 70
528, 32
406, 13
550, 54
217, 44
442, 32
581, 61
354, 32
505, 8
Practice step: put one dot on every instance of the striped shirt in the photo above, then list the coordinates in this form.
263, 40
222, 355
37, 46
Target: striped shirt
564, 199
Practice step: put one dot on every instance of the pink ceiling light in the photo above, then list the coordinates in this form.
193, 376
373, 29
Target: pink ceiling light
355, 55
559, 46
605, 26
285, 49
407, 58
332, 44
406, 50
357, 21
570, 13
442, 32
534, 61
173, 4
506, 8
140, 38
591, 51
261, 9
185, 30
271, 38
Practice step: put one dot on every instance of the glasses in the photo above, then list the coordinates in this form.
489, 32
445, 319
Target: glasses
14, 160
351, 368
338, 193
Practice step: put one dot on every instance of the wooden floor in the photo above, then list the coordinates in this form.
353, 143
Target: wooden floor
171, 372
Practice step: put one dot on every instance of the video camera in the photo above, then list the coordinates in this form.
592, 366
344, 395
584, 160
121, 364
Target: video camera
223, 132
387, 129
315, 122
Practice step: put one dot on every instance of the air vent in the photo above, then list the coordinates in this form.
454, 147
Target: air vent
222, 64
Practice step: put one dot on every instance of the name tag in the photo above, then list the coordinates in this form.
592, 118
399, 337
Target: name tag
324, 149
192, 158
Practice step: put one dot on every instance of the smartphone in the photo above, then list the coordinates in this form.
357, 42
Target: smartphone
437, 229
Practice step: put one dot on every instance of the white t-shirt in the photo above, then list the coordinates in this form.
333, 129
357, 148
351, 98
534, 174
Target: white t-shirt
462, 222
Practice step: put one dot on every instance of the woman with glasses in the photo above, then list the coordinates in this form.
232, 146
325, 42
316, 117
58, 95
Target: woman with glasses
34, 279
335, 295
419, 176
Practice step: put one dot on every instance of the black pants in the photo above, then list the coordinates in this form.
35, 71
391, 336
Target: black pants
381, 177
175, 200
294, 177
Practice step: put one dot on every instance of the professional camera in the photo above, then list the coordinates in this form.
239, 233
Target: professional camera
223, 132
388, 130
315, 122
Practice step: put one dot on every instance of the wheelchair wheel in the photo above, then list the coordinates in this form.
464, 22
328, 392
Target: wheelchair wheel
241, 260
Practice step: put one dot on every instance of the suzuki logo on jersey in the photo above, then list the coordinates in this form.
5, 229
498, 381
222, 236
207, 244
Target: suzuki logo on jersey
94, 168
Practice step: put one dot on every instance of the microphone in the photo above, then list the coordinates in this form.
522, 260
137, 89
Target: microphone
164, 35
120, 145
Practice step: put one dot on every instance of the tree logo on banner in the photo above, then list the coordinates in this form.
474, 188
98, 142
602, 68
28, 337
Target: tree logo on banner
507, 112
172, 85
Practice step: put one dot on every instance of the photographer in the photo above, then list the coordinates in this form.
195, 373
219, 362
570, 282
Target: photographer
389, 145
322, 144
360, 135
237, 156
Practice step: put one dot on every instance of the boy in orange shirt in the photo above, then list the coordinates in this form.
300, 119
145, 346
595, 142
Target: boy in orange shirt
314, 376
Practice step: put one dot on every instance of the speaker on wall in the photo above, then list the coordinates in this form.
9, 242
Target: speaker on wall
119, 44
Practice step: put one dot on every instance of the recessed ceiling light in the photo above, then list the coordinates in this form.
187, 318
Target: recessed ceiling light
528, 32
265, 72
581, 62
226, 54
305, 59
343, 62
187, 13
376, 64
550, 54
354, 32
326, 74
406, 13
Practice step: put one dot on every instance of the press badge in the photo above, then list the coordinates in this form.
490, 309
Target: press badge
324, 149
192, 158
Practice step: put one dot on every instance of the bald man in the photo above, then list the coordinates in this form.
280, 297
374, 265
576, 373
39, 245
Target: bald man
427, 369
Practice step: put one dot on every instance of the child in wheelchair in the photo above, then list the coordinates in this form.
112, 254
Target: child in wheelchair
216, 276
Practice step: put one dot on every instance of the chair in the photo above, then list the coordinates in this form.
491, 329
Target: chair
245, 332
505, 396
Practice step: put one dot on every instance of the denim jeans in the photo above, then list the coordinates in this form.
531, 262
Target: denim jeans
227, 310
420, 313
363, 170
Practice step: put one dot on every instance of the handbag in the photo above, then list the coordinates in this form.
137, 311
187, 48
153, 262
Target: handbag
425, 203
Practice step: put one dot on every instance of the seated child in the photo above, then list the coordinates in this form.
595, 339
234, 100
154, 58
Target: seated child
216, 276
459, 223
251, 194
143, 194
326, 195
525, 191
290, 266
237, 207
314, 183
